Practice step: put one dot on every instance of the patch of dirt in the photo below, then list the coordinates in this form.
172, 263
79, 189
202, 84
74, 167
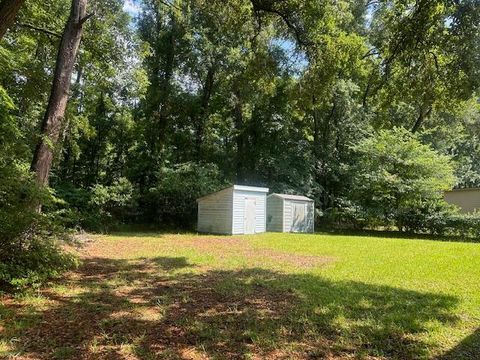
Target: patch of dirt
219, 247
303, 261
224, 247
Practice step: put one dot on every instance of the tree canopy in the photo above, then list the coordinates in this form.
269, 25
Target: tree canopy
172, 99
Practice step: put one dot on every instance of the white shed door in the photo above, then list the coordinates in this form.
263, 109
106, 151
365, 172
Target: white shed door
298, 216
250, 206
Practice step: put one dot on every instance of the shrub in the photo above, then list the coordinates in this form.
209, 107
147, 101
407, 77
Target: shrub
459, 225
399, 181
173, 201
345, 215
38, 257
72, 207
98, 209
114, 203
30, 245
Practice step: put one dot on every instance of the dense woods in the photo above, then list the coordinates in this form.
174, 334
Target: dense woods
369, 107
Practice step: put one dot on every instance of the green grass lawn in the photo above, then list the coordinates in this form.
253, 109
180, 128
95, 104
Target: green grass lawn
156, 296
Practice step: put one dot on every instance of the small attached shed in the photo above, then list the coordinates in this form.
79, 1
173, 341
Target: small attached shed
290, 213
235, 210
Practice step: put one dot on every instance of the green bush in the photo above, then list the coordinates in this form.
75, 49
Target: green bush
38, 257
345, 215
173, 201
458, 225
419, 219
30, 245
98, 209
399, 181
114, 204
72, 209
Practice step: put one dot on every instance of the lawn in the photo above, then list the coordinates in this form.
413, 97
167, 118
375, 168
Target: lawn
168, 296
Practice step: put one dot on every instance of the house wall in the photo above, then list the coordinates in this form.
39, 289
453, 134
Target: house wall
274, 213
467, 199
215, 212
239, 210
288, 215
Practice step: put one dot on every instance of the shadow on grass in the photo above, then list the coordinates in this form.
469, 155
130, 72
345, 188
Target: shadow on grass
153, 308
468, 348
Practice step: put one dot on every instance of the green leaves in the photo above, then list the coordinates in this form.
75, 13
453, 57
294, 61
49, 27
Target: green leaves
265, 92
400, 179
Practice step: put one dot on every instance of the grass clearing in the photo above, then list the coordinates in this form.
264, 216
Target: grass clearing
155, 296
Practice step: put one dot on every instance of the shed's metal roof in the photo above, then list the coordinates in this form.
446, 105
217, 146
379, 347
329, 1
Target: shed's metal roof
250, 188
292, 197
238, 187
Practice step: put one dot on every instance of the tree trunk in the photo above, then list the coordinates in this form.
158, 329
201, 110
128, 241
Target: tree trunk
424, 113
159, 97
8, 12
239, 138
201, 119
54, 115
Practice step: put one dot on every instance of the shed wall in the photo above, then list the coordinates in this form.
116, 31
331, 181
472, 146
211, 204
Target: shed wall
239, 210
467, 199
215, 212
288, 215
274, 214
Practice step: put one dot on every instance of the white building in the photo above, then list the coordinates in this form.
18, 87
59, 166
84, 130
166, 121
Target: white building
290, 213
235, 210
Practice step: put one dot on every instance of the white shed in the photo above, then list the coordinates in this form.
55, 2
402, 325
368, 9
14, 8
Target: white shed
290, 213
236, 210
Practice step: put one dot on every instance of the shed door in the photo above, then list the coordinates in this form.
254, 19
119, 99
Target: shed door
299, 219
250, 206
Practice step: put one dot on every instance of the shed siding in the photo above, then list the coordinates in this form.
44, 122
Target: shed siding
274, 214
239, 210
288, 215
215, 212
467, 199
311, 217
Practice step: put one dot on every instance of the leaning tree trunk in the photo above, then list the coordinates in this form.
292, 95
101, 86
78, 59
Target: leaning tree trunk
424, 114
53, 120
8, 12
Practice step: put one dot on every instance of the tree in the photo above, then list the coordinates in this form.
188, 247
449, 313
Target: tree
426, 63
268, 92
53, 120
400, 181
8, 12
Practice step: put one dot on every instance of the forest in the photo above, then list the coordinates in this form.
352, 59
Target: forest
121, 113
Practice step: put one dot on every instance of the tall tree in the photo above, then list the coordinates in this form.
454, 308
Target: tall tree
54, 115
8, 12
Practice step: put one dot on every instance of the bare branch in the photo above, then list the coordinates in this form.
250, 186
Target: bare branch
86, 17
39, 29
259, 6
370, 52
166, 3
